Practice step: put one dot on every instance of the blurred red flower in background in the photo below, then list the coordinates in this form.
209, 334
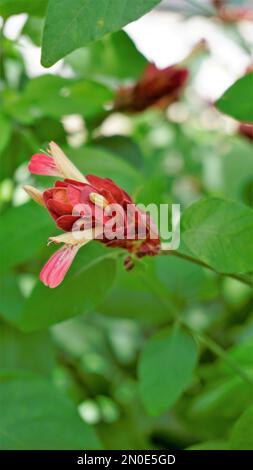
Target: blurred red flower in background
232, 13
156, 88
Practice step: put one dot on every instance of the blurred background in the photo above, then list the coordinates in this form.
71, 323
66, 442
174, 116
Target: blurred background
179, 154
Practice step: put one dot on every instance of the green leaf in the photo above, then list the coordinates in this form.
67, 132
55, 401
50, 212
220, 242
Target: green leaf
237, 170
24, 230
223, 398
103, 163
166, 368
14, 7
187, 281
36, 416
85, 286
18, 149
242, 353
5, 126
103, 59
237, 100
114, 435
70, 25
242, 432
53, 96
33, 29
210, 445
131, 296
219, 233
123, 147
25, 351
11, 299
49, 126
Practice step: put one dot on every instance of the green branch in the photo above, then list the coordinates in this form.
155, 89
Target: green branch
206, 340
239, 277
221, 353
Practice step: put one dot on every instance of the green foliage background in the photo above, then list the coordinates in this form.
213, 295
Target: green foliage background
156, 358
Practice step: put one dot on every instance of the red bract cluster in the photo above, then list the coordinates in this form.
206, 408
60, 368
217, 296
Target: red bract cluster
82, 204
90, 201
156, 88
62, 199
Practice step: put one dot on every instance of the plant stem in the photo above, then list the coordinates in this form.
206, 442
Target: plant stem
206, 340
220, 352
239, 277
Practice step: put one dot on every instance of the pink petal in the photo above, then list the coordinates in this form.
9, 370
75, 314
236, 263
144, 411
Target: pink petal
41, 164
57, 266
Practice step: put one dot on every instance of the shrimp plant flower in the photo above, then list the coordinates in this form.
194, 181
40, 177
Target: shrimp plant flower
88, 208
